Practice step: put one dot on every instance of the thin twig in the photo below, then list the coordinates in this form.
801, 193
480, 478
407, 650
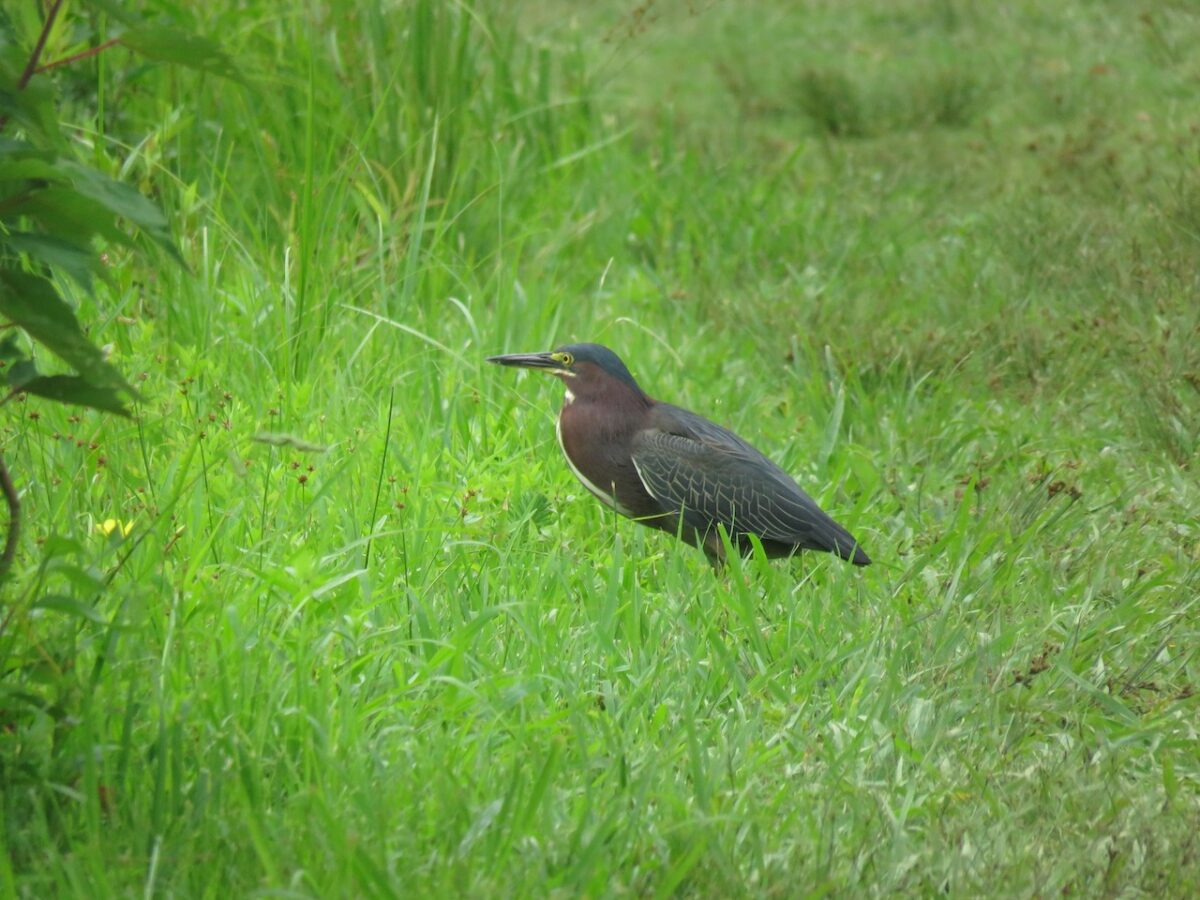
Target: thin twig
14, 520
32, 64
76, 57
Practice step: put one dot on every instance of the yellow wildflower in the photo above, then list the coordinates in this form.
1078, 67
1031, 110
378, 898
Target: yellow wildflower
108, 526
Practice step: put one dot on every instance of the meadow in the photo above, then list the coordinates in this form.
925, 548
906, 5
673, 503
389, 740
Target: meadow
355, 630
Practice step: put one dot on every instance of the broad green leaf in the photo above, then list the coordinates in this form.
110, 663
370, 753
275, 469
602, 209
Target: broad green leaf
118, 197
61, 545
63, 211
165, 44
20, 373
10, 351
33, 304
28, 168
124, 201
76, 390
14, 147
80, 262
86, 579
70, 606
87, 206
33, 108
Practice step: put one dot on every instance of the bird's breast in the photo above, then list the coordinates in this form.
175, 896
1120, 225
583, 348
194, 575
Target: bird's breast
583, 445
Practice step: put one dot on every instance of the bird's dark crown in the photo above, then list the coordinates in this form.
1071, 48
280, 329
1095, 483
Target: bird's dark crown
601, 356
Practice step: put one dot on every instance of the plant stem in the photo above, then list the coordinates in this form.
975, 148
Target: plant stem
14, 519
32, 64
75, 57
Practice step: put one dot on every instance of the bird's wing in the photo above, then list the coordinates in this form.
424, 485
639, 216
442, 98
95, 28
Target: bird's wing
709, 475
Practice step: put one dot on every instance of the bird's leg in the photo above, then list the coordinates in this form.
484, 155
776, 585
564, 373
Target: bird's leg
714, 549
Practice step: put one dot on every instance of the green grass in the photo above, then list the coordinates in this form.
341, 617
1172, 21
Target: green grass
938, 258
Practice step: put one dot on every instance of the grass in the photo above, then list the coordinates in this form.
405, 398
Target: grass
939, 259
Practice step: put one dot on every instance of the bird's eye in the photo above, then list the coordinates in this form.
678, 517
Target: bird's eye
564, 358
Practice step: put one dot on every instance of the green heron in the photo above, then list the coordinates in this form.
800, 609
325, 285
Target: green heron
674, 470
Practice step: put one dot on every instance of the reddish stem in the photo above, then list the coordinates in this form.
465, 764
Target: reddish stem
75, 57
31, 66
14, 520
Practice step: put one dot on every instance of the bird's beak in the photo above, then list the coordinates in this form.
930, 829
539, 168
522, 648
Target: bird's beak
527, 360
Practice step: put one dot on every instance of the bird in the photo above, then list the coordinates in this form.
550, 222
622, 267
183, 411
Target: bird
674, 470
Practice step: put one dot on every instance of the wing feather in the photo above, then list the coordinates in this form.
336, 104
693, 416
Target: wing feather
710, 476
